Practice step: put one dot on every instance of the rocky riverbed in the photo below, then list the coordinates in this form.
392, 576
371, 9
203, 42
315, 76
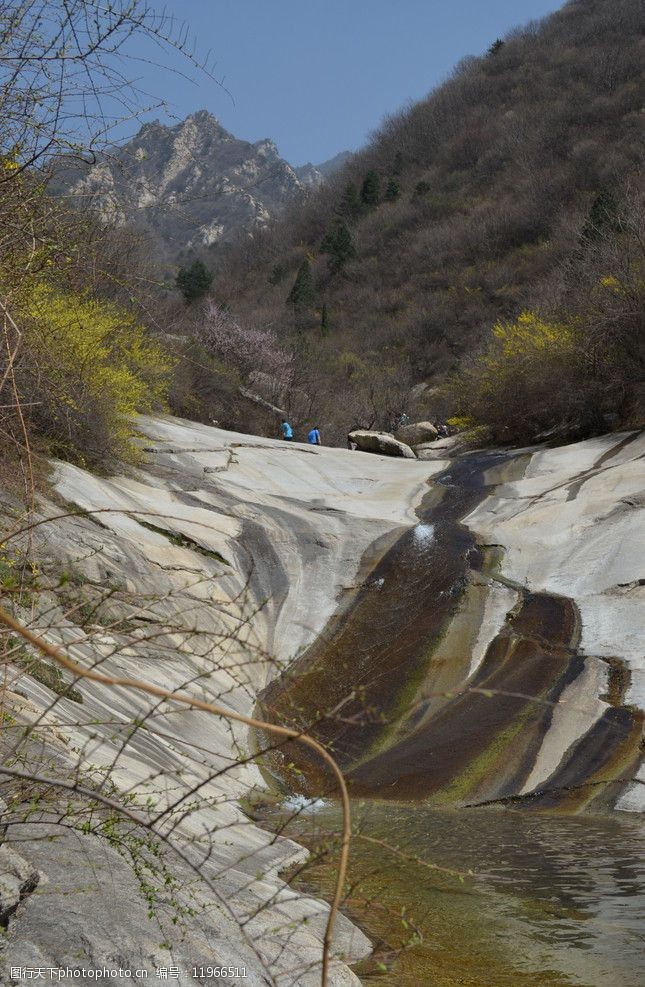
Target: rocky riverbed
214, 566
500, 640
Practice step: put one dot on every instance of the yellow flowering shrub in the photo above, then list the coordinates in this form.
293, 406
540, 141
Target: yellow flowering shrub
611, 282
528, 379
96, 368
531, 335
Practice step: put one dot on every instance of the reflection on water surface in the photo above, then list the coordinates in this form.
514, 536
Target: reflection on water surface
554, 900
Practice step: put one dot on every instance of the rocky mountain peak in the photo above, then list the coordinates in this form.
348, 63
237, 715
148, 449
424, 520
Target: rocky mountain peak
205, 124
188, 186
267, 148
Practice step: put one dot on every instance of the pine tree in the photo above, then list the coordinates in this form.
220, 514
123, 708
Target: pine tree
339, 245
603, 215
350, 206
495, 47
371, 191
302, 294
277, 274
324, 320
194, 281
392, 191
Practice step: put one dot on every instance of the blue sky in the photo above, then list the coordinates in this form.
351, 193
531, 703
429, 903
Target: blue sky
318, 76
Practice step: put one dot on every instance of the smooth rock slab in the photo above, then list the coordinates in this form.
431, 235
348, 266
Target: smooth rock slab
107, 923
209, 569
574, 526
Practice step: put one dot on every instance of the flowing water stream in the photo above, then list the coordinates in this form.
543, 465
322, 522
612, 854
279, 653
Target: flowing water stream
553, 899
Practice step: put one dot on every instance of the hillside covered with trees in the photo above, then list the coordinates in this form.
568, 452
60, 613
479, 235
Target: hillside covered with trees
489, 238
482, 258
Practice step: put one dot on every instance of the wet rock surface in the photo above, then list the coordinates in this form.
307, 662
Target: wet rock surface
536, 717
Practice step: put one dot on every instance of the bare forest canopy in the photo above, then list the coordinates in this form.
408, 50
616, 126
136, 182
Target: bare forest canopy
481, 259
515, 187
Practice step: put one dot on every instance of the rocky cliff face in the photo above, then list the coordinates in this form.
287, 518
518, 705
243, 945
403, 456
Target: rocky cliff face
190, 186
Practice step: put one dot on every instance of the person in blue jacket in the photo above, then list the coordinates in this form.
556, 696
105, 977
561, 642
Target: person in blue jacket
314, 436
287, 431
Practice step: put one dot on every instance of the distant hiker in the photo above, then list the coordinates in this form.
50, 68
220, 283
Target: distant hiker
287, 431
443, 431
314, 437
395, 422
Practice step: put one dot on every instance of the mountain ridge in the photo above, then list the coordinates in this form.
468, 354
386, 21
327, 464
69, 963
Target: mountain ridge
188, 186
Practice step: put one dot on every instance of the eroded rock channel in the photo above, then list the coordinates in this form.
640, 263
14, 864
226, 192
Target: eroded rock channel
421, 700
488, 648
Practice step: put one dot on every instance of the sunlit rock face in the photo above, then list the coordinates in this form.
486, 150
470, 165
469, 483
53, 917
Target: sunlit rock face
190, 186
572, 527
222, 556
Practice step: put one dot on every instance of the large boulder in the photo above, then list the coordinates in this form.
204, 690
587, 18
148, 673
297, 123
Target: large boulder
443, 448
417, 433
381, 442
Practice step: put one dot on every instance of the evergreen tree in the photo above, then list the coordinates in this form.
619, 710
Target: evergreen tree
277, 274
392, 191
302, 294
371, 191
495, 47
339, 245
350, 206
603, 215
194, 281
324, 320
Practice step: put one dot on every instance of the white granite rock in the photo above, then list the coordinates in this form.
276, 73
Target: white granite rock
574, 525
213, 526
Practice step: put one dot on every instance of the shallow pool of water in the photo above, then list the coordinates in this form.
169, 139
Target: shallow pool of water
551, 899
